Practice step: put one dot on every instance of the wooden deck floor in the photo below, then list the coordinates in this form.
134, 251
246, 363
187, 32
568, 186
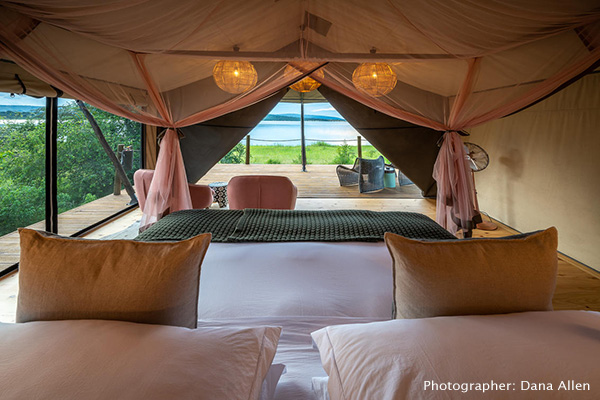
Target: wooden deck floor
578, 287
68, 223
320, 181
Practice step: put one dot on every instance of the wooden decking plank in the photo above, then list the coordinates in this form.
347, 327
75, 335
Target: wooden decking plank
320, 181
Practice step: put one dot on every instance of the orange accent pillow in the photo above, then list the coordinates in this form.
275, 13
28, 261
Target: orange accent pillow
473, 276
147, 282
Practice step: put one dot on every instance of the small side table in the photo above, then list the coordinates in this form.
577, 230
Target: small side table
220, 189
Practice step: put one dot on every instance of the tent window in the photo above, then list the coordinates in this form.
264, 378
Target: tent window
85, 173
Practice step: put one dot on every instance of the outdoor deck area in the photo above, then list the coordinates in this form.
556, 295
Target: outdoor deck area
578, 287
319, 181
69, 223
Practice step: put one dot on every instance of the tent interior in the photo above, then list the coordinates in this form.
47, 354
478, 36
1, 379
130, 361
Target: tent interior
417, 79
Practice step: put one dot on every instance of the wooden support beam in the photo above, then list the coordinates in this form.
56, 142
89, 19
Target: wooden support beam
111, 155
248, 149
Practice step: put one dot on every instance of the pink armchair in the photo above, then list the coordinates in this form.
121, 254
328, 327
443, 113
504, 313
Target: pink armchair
202, 195
261, 191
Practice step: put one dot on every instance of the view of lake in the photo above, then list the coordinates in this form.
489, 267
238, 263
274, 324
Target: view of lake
288, 132
281, 126
322, 123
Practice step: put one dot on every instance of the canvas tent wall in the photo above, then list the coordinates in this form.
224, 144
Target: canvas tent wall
458, 64
544, 168
204, 144
411, 148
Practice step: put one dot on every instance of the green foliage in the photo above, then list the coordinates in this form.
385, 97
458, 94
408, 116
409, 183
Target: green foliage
84, 170
273, 161
237, 155
314, 154
370, 153
345, 154
322, 144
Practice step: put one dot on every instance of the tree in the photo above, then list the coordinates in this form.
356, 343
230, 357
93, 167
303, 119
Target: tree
84, 171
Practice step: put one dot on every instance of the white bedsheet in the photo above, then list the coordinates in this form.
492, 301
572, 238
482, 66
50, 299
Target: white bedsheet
300, 286
345, 279
295, 349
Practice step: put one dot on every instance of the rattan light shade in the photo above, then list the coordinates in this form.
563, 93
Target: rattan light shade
235, 76
376, 79
308, 84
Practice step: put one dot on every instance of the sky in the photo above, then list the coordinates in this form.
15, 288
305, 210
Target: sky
23, 100
269, 130
281, 108
311, 108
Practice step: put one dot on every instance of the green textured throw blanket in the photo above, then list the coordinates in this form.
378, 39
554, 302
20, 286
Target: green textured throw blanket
254, 225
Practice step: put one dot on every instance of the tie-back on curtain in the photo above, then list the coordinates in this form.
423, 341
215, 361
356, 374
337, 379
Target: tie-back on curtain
458, 63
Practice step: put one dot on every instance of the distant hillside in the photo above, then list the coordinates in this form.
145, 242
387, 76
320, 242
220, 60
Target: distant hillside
18, 108
296, 117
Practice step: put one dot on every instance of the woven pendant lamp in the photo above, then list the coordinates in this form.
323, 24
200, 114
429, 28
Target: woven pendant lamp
235, 76
375, 79
308, 84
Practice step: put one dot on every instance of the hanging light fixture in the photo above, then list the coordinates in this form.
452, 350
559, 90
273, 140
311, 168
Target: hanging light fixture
375, 79
307, 84
235, 76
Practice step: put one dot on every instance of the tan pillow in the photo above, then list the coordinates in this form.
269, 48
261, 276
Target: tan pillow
147, 282
476, 276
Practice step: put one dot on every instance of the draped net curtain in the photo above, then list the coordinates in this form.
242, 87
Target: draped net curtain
458, 63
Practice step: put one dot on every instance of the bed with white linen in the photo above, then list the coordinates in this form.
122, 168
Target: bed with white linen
339, 296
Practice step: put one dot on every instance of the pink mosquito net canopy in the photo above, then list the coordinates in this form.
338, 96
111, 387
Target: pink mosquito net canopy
457, 63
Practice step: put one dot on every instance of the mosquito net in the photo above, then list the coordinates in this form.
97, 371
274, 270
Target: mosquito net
457, 63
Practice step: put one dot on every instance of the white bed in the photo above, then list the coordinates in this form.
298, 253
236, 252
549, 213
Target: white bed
301, 287
347, 287
306, 286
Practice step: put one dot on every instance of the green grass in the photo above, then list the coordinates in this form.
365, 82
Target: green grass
317, 153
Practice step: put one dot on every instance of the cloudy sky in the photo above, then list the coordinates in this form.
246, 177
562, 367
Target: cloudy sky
281, 108
311, 108
21, 100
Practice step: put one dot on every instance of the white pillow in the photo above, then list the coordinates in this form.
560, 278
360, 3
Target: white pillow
93, 359
438, 357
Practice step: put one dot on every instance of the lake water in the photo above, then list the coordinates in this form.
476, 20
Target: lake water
287, 133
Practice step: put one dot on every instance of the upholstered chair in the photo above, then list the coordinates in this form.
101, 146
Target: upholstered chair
202, 195
261, 191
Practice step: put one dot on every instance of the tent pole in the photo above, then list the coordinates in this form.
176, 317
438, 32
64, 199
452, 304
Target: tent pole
51, 165
302, 132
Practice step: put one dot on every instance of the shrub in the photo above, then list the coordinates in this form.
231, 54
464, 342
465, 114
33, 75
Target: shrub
273, 161
345, 154
237, 155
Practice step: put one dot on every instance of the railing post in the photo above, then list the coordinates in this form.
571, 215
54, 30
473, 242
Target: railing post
248, 149
359, 146
117, 187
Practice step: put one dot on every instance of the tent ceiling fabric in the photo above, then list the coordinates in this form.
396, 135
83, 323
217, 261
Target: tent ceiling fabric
152, 61
310, 97
460, 63
14, 79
